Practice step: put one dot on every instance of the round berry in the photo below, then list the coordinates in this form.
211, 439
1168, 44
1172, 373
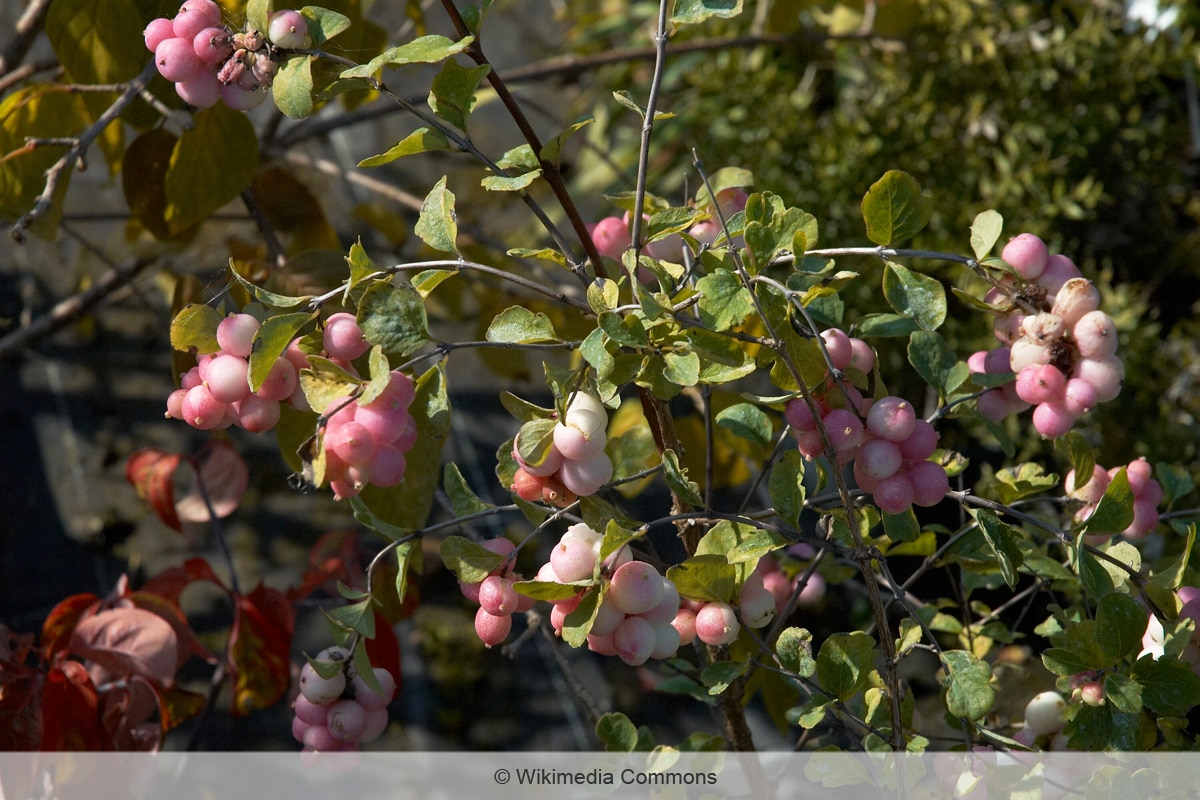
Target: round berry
636, 587
1027, 254
236, 334
611, 237
634, 640
343, 337
839, 348
492, 629
321, 691
176, 60
716, 624
288, 29
346, 720
1043, 714
194, 16
891, 418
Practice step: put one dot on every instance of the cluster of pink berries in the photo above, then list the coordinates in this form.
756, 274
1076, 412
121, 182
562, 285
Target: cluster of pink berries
612, 235
367, 444
890, 451
575, 465
1061, 346
1147, 494
497, 598
216, 392
208, 62
843, 424
636, 620
781, 587
340, 713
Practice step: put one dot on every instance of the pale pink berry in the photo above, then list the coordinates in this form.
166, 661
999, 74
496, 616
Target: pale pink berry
213, 46
635, 587
1027, 255
878, 459
667, 607
157, 32
667, 641
194, 16
202, 90
319, 739
1041, 384
352, 442
993, 405
492, 629
1052, 419
756, 604
1095, 335
288, 29
1027, 353
321, 691
838, 345
201, 410
844, 428
1076, 297
1139, 473
1090, 492
891, 418
343, 337
387, 466
799, 416
921, 443
717, 624
256, 414
377, 722
574, 445
226, 378
236, 334
1104, 374
240, 99
894, 495
281, 381
346, 720
573, 560
176, 60
497, 595
634, 640
611, 237
929, 481
685, 625
1079, 396
862, 356
584, 478
1059, 270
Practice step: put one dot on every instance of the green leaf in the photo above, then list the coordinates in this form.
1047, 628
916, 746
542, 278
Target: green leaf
915, 295
932, 358
437, 225
895, 208
1080, 453
509, 183
724, 301
463, 501
534, 440
211, 164
452, 93
794, 648
1004, 541
270, 342
392, 315
96, 41
422, 50
323, 382
552, 150
324, 24
786, 487
603, 295
258, 14
845, 662
1169, 686
470, 562
886, 325
263, 296
681, 367
968, 684
1121, 621
626, 99
1024, 480
617, 733
677, 480
1176, 481
358, 617
1123, 692
578, 624
718, 675
292, 87
689, 12
1114, 512
748, 422
739, 543
902, 527
422, 140
985, 231
368, 519
707, 578
196, 326
519, 325
523, 410
624, 330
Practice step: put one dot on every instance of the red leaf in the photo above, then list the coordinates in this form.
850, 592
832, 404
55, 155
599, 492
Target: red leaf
260, 645
177, 705
225, 477
189, 645
128, 641
384, 649
70, 711
334, 557
126, 713
171, 582
61, 622
152, 473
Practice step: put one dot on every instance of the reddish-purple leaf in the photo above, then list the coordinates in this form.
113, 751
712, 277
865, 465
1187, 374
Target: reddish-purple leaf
152, 473
61, 622
129, 641
225, 478
171, 582
70, 711
260, 647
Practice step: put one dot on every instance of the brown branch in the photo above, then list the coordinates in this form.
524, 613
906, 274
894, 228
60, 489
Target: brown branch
24, 32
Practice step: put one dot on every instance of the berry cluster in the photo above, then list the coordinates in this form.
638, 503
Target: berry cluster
216, 392
890, 451
367, 444
1061, 346
575, 465
636, 619
341, 712
497, 598
1147, 494
613, 237
207, 61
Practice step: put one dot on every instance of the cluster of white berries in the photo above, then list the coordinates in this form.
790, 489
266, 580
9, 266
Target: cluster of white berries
209, 62
341, 712
1061, 346
575, 465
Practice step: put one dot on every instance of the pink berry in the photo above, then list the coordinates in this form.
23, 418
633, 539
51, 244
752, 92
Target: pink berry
636, 587
667, 641
497, 596
1104, 374
573, 560
929, 483
1139, 473
384, 417
921, 443
280, 382
1095, 335
844, 427
321, 691
194, 16
1041, 384
685, 624
236, 334
878, 459
634, 640
288, 29
492, 629
993, 405
213, 46
1079, 396
201, 410
157, 32
202, 90
309, 712
1027, 255
1090, 492
352, 442
756, 604
1052, 419
611, 237
176, 60
799, 416
838, 345
894, 495
1059, 270
584, 478
1145, 520
667, 607
891, 418
574, 445
861, 355
255, 414
716, 624
367, 697
387, 466
343, 338
226, 378
240, 99
1076, 297
377, 722
319, 739
346, 720
175, 403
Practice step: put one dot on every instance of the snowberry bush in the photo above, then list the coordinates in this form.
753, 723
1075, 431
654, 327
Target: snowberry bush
727, 461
